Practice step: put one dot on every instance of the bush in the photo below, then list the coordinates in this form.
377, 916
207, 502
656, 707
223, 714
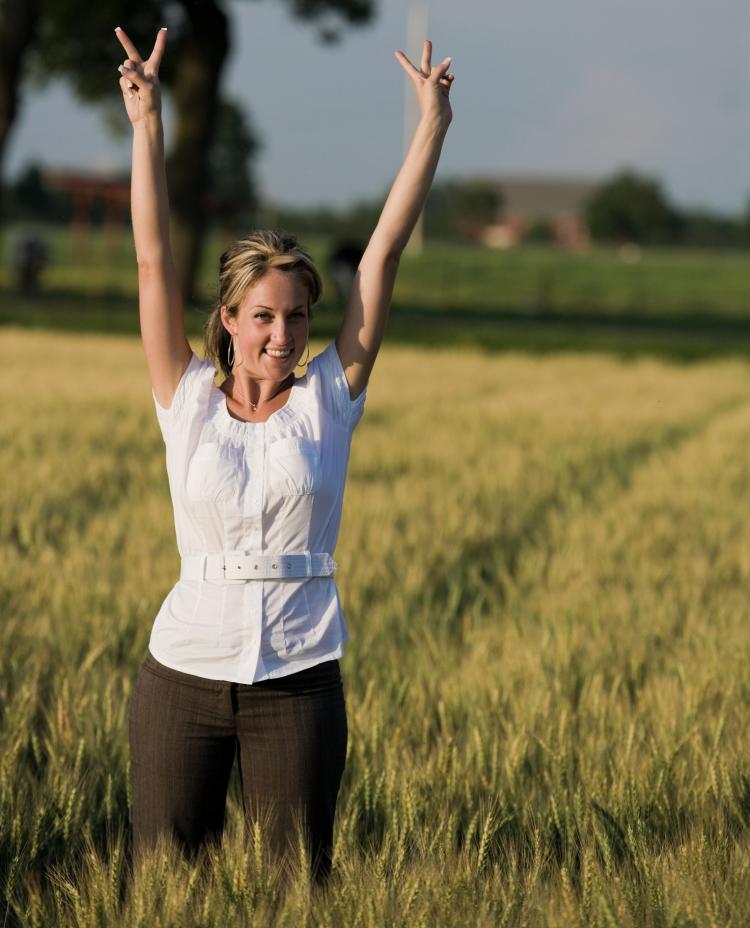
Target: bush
631, 208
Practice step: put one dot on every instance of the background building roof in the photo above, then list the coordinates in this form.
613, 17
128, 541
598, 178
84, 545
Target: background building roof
544, 197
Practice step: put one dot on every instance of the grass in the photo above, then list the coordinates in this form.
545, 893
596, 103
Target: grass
672, 304
544, 563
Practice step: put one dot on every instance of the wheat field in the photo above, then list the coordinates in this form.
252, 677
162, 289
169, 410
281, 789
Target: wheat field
545, 567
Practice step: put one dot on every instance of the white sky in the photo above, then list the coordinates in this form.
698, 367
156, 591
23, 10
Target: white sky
577, 88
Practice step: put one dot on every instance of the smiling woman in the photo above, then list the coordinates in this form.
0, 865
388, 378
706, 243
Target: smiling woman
244, 651
259, 329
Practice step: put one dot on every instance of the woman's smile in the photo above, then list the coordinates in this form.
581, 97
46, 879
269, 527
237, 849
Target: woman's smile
278, 353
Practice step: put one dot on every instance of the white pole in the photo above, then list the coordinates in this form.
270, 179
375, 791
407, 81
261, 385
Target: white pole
416, 33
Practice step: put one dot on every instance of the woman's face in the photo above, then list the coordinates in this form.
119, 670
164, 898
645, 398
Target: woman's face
271, 326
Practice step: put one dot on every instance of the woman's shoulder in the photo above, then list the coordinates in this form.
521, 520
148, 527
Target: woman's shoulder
326, 378
196, 382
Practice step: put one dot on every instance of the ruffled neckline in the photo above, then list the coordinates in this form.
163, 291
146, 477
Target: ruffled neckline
226, 422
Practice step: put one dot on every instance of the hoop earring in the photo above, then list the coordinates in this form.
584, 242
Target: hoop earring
230, 353
302, 363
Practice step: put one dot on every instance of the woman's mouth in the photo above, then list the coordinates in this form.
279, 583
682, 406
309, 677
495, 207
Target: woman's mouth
279, 353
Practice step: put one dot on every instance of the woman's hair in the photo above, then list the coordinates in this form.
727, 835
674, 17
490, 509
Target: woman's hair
241, 266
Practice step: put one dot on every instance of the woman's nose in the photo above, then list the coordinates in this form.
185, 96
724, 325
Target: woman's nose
281, 330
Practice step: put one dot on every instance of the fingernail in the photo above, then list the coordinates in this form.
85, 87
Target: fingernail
130, 93
116, 28
130, 84
449, 61
119, 68
163, 29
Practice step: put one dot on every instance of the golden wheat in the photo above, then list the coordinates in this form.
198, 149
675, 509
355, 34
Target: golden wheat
545, 566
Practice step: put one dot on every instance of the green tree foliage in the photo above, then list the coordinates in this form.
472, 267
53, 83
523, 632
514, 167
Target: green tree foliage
461, 208
18, 19
705, 229
632, 208
31, 193
352, 223
455, 209
231, 188
745, 224
540, 232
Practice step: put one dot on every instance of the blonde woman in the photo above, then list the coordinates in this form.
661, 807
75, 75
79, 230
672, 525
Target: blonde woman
243, 654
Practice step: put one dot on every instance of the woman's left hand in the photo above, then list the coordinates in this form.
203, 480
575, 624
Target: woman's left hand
431, 84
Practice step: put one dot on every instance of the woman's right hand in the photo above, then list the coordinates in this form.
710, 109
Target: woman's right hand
432, 85
140, 79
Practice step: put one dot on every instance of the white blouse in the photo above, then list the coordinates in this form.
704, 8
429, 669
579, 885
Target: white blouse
271, 487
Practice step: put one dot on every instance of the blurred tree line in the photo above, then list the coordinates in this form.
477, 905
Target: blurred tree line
627, 208
455, 210
634, 208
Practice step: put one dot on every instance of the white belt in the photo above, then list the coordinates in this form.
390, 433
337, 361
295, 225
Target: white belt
237, 566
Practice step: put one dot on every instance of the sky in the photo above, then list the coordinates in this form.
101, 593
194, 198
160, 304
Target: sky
580, 89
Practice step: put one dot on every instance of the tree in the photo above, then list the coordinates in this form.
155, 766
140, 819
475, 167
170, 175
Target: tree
631, 208
31, 194
69, 42
231, 190
745, 224
540, 232
703, 228
461, 208
18, 19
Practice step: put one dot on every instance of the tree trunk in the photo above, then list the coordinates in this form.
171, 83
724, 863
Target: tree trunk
17, 30
195, 91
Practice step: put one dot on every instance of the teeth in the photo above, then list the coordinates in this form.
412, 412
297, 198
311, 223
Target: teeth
279, 352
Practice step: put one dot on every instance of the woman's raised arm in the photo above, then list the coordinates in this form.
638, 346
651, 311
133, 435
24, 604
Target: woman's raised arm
361, 332
161, 313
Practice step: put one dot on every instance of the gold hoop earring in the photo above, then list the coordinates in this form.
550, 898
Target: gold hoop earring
302, 363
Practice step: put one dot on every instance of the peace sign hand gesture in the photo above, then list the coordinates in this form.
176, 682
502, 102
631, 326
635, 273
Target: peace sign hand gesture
140, 79
431, 84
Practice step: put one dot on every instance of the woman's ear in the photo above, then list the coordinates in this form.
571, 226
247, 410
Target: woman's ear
228, 321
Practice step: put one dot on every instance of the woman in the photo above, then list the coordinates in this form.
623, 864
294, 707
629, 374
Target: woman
243, 655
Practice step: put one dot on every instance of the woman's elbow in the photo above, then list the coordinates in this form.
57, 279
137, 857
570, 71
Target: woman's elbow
384, 261
153, 261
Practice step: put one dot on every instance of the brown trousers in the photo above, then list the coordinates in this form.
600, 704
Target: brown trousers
290, 734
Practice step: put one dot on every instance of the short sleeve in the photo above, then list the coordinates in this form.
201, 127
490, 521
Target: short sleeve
195, 381
327, 367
